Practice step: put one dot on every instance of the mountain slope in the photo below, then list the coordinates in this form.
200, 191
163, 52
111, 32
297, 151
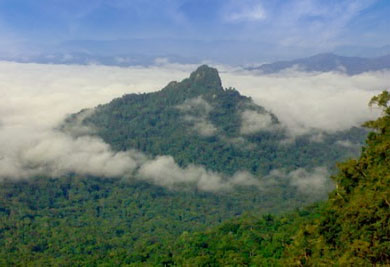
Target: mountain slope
196, 121
329, 62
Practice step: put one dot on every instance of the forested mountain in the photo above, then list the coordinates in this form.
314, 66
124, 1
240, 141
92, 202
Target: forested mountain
78, 220
329, 62
197, 121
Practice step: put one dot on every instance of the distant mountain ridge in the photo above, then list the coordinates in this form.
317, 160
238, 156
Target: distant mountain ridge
329, 62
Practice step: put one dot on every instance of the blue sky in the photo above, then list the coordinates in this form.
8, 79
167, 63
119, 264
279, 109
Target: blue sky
277, 26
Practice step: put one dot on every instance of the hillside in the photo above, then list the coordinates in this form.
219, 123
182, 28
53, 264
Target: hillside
329, 62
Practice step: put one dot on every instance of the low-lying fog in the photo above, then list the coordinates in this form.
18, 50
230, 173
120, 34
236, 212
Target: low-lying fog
36, 97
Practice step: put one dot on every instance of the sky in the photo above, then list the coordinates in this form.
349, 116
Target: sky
201, 29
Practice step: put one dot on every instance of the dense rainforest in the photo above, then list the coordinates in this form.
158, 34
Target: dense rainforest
76, 220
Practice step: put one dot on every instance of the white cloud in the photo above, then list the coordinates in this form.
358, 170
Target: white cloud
57, 154
245, 12
196, 111
307, 101
164, 171
347, 143
310, 182
204, 127
317, 137
253, 121
314, 182
197, 104
245, 179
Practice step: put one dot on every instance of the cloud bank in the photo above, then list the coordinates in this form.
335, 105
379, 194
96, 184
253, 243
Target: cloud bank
36, 98
164, 171
54, 154
305, 101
